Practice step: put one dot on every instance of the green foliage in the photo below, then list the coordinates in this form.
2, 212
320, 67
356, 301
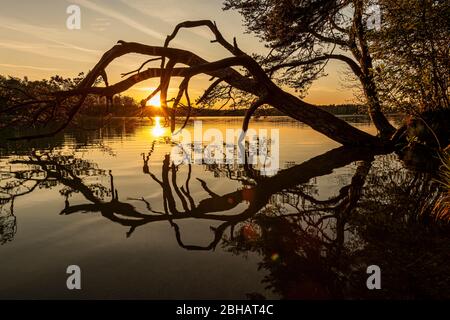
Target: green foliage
27, 103
413, 54
290, 29
406, 63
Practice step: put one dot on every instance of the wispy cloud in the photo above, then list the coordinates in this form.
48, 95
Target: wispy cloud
172, 11
101, 24
170, 14
17, 66
44, 50
120, 17
44, 33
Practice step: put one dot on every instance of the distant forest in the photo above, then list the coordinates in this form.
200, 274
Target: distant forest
125, 106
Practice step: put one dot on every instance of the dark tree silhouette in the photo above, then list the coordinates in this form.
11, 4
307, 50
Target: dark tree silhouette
305, 35
255, 81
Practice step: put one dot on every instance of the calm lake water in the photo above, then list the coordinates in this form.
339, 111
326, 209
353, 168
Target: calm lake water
109, 201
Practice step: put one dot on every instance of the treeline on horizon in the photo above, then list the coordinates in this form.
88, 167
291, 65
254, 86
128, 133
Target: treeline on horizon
125, 106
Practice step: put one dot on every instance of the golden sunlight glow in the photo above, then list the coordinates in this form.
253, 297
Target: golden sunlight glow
158, 130
155, 101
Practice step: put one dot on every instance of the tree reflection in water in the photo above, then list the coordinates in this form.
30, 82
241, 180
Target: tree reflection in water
311, 248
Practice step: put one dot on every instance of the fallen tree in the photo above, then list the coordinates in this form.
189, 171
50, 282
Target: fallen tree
305, 35
254, 81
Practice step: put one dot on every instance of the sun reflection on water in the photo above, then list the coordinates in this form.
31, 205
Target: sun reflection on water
158, 130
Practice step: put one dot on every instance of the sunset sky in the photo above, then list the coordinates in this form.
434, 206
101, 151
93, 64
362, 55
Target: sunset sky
35, 42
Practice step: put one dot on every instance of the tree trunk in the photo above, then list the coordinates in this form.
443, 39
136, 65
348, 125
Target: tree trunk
322, 121
385, 129
363, 56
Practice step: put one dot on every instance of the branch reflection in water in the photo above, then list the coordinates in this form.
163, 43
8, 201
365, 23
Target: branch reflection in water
311, 247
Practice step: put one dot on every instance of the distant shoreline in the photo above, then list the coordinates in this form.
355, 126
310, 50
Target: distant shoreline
233, 116
132, 110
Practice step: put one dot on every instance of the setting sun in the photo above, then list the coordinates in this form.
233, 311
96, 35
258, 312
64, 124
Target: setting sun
155, 101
